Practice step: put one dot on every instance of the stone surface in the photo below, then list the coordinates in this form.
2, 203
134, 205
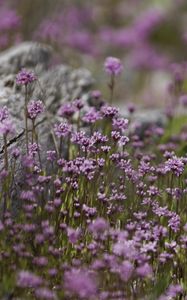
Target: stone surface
55, 85
27, 55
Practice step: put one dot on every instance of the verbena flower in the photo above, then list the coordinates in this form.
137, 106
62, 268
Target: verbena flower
26, 279
73, 234
120, 123
62, 130
174, 165
109, 111
126, 270
79, 282
4, 113
25, 77
183, 100
99, 225
45, 294
144, 270
67, 110
35, 108
7, 127
33, 149
91, 116
113, 65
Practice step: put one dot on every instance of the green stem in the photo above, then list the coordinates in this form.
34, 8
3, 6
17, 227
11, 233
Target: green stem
5, 152
26, 120
111, 86
33, 130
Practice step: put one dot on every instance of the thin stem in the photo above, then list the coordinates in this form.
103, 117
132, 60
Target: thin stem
33, 130
26, 120
49, 121
5, 152
39, 156
6, 168
111, 86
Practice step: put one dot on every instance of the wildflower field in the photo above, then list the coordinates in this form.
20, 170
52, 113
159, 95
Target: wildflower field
101, 212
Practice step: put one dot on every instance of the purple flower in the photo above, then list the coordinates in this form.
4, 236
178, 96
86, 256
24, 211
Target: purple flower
15, 152
24, 77
96, 94
91, 116
81, 139
120, 124
98, 138
113, 66
78, 103
87, 168
144, 270
183, 100
115, 135
41, 261
109, 111
45, 294
174, 290
4, 113
9, 20
99, 225
51, 155
35, 107
174, 222
80, 283
7, 127
125, 248
131, 108
26, 279
175, 165
33, 149
123, 140
73, 235
67, 110
126, 270
63, 129
90, 211
27, 195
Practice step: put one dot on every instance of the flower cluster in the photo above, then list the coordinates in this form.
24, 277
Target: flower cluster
100, 214
113, 66
35, 108
24, 77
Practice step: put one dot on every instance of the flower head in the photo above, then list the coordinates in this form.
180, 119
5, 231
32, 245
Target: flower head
67, 110
24, 77
4, 113
183, 100
80, 283
27, 279
113, 66
63, 129
7, 127
99, 225
35, 107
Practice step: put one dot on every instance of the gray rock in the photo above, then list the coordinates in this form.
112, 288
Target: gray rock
63, 84
27, 55
54, 86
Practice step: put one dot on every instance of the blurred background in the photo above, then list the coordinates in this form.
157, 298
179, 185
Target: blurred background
149, 36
